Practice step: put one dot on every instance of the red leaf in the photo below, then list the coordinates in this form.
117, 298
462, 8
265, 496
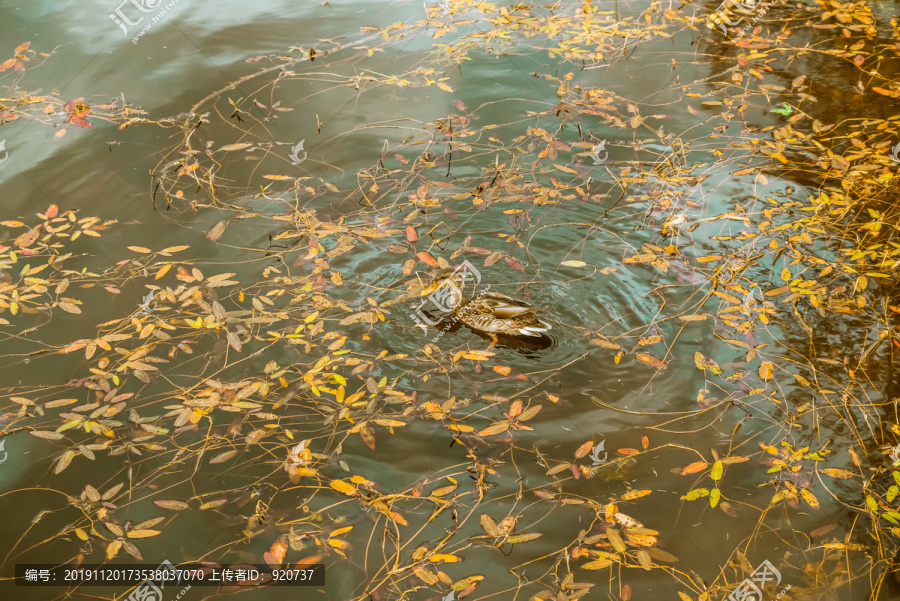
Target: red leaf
513, 263
51, 212
7, 64
411, 234
80, 122
22, 48
275, 555
426, 257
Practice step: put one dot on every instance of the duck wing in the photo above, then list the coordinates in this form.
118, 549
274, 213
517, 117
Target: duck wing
502, 306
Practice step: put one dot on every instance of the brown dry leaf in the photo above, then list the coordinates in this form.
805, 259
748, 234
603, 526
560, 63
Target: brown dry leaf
28, 238
605, 343
644, 559
368, 436
240, 146
213, 504
64, 461
489, 525
558, 468
217, 230
223, 457
616, 540
171, 504
650, 360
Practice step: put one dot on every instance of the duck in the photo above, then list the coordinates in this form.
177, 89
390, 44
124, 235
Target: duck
488, 313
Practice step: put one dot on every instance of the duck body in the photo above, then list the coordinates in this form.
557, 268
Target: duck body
495, 313
489, 313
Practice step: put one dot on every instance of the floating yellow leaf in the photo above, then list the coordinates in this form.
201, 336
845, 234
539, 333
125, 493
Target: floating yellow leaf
495, 429
599, 564
523, 538
344, 487
810, 498
142, 533
439, 557
635, 494
828, 471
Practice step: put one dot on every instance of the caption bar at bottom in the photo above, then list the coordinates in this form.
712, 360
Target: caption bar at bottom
194, 574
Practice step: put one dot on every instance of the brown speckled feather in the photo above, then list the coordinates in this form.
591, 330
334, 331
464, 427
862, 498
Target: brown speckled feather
500, 314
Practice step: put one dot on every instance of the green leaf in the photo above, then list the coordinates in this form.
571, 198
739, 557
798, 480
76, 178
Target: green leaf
872, 503
784, 109
714, 497
696, 494
69, 424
